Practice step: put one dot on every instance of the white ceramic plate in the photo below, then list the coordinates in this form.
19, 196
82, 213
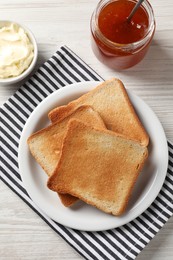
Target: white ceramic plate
82, 216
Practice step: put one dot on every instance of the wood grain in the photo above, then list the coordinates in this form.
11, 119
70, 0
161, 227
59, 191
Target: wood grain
23, 235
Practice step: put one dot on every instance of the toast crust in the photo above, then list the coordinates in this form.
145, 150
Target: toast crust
111, 101
99, 167
45, 145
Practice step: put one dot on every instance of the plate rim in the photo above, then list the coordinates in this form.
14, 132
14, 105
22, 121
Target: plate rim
86, 84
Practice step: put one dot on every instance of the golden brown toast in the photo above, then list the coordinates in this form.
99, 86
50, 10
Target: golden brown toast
111, 101
45, 145
98, 166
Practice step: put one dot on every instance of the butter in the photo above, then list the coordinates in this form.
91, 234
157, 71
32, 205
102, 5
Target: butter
16, 51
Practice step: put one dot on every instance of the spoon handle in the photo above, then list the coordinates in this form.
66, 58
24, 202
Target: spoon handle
134, 10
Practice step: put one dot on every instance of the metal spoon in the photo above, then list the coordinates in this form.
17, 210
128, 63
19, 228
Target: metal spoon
134, 10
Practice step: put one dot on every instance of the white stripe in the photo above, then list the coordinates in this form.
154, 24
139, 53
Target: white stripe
83, 63
99, 246
167, 192
150, 224
170, 175
125, 240
44, 80
64, 71
56, 74
70, 68
47, 93
20, 105
136, 241
8, 150
145, 230
158, 213
18, 112
26, 90
34, 89
171, 159
170, 149
8, 141
26, 101
164, 199
16, 139
155, 219
13, 175
170, 167
9, 162
170, 186
164, 208
50, 77
121, 246
10, 124
139, 233
90, 248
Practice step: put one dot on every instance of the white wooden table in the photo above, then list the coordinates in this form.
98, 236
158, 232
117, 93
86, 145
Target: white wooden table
23, 235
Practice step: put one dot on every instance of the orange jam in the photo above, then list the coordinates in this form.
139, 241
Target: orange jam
119, 43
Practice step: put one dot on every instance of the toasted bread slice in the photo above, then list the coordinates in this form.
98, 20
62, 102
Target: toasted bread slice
111, 100
98, 166
45, 145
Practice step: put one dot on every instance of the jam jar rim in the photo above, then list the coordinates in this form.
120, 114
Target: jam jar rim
123, 46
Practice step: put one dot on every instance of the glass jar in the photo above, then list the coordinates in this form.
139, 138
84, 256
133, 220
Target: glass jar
120, 56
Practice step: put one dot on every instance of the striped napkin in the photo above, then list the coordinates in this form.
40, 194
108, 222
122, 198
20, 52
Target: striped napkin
125, 242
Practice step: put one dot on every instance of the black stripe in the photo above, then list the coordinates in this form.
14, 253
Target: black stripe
134, 234
80, 64
160, 210
14, 113
10, 128
9, 157
59, 72
12, 120
38, 88
154, 223
41, 216
43, 83
170, 145
73, 67
104, 246
120, 241
164, 204
141, 230
32, 92
48, 79
170, 154
166, 196
75, 55
29, 99
64, 68
9, 146
78, 242
53, 75
168, 179
141, 221
13, 181
168, 188
8, 136
92, 245
18, 107
170, 163
170, 173
156, 215
22, 102
11, 168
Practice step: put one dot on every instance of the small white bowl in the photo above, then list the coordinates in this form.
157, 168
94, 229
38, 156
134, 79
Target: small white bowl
24, 74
